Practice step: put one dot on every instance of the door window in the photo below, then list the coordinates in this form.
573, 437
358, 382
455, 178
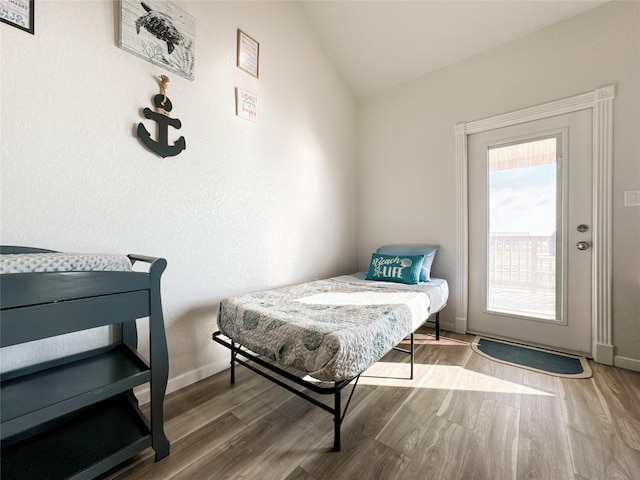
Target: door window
525, 218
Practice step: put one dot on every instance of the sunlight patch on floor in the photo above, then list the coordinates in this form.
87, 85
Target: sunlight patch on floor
444, 377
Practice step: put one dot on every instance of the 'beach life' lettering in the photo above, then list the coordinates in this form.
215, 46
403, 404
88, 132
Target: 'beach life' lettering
390, 267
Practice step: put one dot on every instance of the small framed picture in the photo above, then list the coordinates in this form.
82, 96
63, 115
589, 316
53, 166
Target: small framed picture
18, 13
248, 54
247, 105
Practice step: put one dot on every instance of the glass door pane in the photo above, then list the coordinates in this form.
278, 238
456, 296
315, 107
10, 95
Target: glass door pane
524, 215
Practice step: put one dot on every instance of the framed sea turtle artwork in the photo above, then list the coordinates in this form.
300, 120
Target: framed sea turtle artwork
161, 33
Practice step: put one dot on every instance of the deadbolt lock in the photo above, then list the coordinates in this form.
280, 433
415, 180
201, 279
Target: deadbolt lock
582, 245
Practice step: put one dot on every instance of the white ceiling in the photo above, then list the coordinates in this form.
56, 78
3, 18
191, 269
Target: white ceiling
378, 44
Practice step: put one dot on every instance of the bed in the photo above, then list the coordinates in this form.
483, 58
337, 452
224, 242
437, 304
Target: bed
323, 334
76, 416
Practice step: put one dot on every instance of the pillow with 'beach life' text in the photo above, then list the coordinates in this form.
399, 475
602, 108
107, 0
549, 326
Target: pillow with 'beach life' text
429, 252
395, 268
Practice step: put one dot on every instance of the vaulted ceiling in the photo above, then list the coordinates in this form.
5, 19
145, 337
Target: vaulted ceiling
378, 44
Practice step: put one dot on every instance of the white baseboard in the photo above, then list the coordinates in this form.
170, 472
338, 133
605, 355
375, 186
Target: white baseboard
603, 353
144, 393
460, 325
448, 326
626, 362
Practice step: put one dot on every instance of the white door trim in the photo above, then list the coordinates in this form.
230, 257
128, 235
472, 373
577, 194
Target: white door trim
601, 102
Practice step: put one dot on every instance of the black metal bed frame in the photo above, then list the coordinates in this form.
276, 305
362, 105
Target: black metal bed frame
335, 390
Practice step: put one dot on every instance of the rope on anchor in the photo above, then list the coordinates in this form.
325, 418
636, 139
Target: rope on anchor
164, 80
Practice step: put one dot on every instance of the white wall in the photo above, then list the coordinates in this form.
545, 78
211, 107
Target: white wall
255, 206
244, 207
406, 142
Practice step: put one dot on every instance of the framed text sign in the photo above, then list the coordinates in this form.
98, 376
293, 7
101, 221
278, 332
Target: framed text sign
248, 54
18, 13
247, 105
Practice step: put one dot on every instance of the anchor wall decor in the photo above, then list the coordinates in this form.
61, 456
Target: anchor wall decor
163, 120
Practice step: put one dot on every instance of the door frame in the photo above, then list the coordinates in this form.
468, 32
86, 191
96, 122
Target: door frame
600, 101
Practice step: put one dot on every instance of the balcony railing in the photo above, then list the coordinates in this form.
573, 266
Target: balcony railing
522, 276
522, 262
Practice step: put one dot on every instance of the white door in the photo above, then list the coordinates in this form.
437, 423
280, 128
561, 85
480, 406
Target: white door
530, 211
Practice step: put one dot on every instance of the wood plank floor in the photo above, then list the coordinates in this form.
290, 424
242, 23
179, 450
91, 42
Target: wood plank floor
462, 417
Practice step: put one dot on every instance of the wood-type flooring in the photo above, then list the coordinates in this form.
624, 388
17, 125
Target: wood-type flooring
462, 417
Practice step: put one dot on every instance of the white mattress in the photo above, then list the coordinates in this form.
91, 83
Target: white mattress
437, 289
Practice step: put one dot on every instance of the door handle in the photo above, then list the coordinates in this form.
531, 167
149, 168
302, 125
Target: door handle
582, 245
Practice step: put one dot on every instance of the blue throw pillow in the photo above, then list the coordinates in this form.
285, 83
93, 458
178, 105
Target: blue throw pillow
429, 252
395, 268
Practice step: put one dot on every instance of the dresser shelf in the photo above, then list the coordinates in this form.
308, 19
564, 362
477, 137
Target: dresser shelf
76, 417
32, 398
80, 444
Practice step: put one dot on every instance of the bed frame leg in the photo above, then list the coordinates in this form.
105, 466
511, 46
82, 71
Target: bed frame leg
412, 354
337, 418
437, 325
233, 363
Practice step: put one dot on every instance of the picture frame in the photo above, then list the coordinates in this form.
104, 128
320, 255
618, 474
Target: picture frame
161, 33
19, 14
248, 56
247, 105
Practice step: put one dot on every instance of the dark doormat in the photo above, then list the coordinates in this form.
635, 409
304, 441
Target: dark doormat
533, 358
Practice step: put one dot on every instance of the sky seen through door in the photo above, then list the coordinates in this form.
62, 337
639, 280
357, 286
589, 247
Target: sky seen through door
522, 183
